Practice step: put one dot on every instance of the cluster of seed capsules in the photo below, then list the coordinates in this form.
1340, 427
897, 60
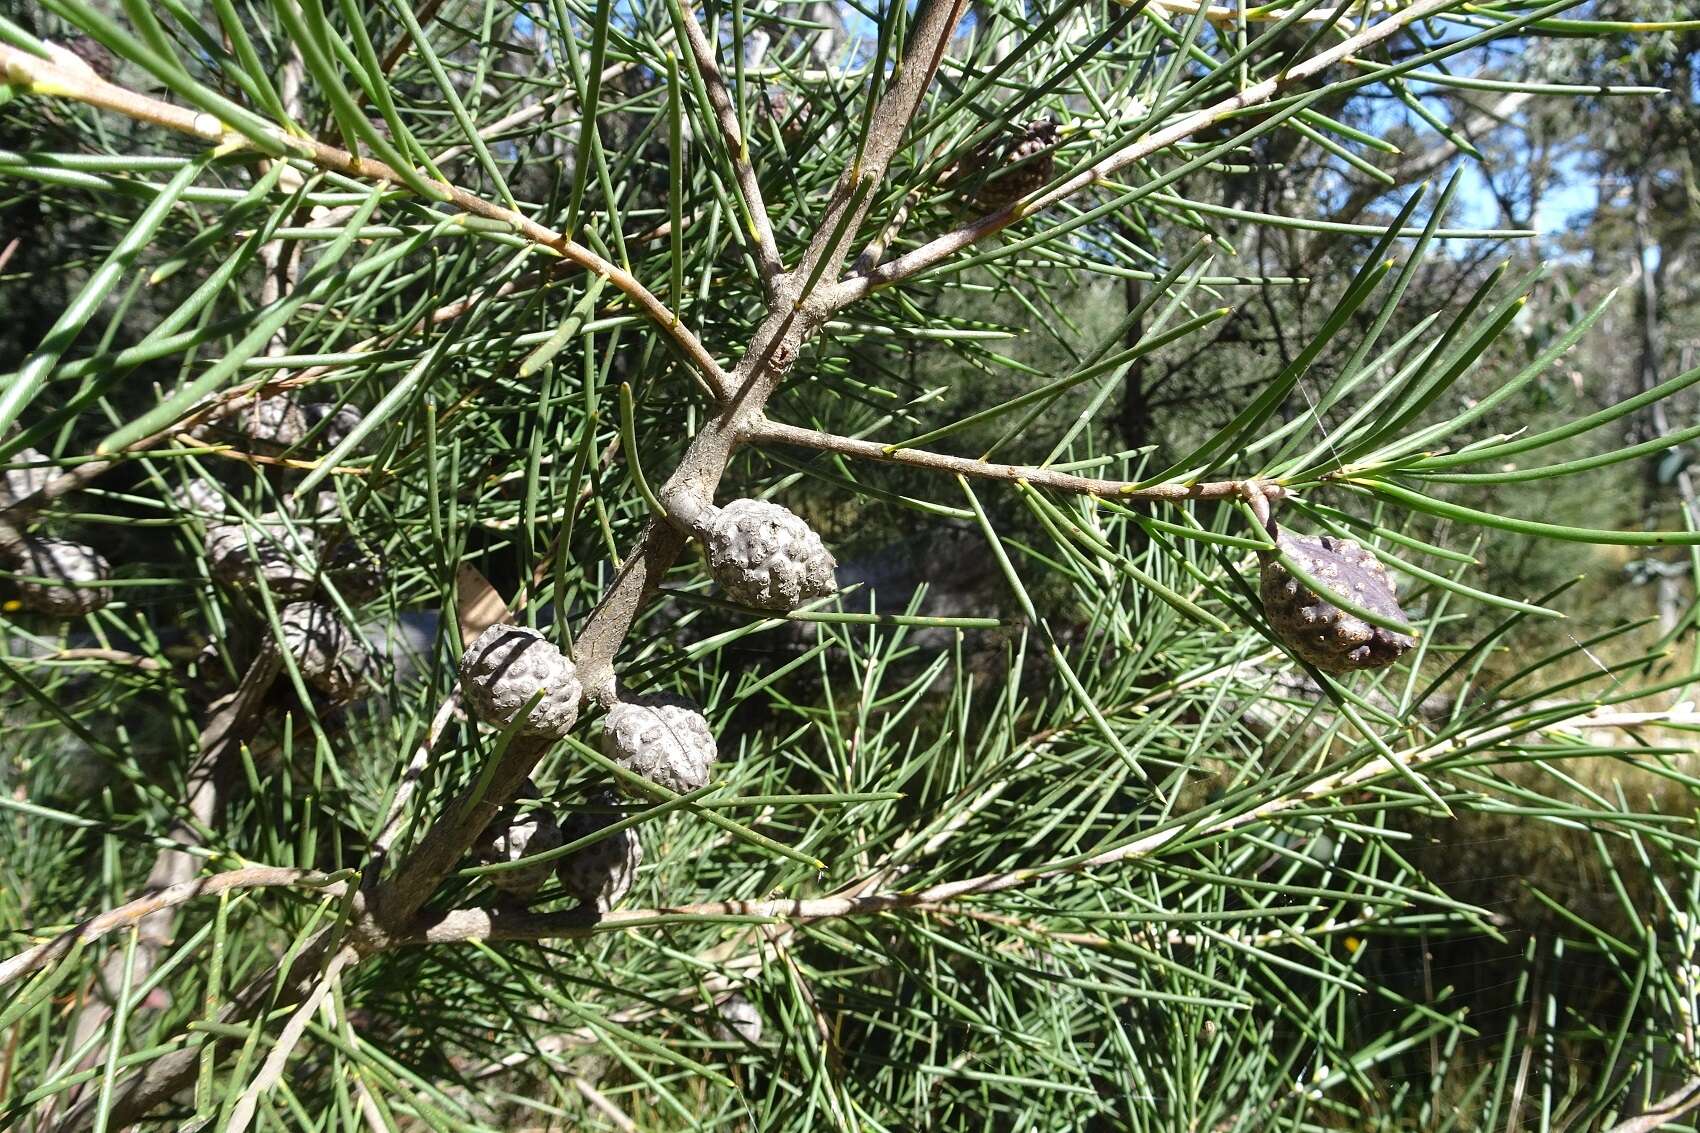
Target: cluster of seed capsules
763, 556
64, 578
293, 559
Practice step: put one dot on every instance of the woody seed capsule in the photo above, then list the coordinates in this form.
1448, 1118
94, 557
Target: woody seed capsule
1001, 170
662, 737
523, 834
506, 667
21, 483
65, 568
238, 553
765, 556
330, 656
269, 423
600, 874
1320, 632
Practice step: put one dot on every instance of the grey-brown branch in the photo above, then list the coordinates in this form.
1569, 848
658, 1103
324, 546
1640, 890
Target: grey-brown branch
774, 432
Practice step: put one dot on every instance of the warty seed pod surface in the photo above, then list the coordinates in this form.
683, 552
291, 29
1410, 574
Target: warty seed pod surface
1320, 632
20, 483
63, 564
238, 552
522, 834
506, 666
765, 556
270, 423
359, 574
602, 873
338, 421
330, 655
1002, 170
663, 737
200, 497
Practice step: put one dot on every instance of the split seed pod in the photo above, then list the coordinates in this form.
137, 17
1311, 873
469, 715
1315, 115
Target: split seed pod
521, 834
330, 656
765, 556
662, 737
21, 483
237, 553
602, 873
1320, 632
1001, 170
67, 569
506, 667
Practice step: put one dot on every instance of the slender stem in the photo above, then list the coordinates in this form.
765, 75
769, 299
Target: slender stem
271, 1071
50, 78
110, 656
135, 911
1666, 1111
413, 773
943, 247
173, 868
791, 319
737, 147
607, 1108
1231, 13
284, 983
774, 432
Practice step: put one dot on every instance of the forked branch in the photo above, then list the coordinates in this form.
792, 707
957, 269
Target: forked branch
792, 318
943, 247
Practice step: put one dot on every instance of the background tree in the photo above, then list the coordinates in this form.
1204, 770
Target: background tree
342, 333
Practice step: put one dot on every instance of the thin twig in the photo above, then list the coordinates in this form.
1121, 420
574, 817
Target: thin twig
737, 147
133, 912
111, 656
791, 318
415, 771
174, 868
81, 475
61, 80
502, 924
1226, 14
607, 1108
1682, 1100
271, 1072
775, 432
284, 983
